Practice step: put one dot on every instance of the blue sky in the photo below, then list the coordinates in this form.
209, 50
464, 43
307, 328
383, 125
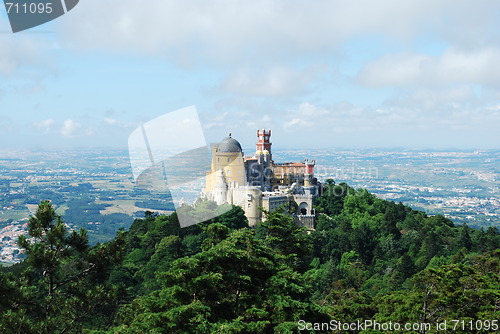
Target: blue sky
351, 74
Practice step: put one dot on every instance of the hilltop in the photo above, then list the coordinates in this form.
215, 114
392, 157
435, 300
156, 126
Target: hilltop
367, 259
94, 189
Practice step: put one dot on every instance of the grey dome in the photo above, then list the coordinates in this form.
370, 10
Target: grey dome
229, 145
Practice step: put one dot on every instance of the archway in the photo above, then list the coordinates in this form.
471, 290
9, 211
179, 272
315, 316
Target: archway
303, 208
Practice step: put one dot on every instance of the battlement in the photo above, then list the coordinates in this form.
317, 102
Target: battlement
264, 133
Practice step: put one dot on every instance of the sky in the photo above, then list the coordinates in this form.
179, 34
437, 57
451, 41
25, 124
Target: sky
320, 74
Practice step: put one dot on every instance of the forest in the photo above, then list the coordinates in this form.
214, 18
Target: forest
367, 261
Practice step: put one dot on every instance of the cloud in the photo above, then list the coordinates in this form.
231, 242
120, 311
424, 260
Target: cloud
437, 101
306, 115
110, 121
261, 122
443, 110
229, 31
20, 53
297, 123
24, 62
273, 82
263, 57
45, 125
479, 66
395, 70
412, 119
112, 124
226, 120
69, 128
452, 66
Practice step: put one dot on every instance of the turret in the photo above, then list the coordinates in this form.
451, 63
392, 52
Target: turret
220, 189
310, 166
264, 142
309, 172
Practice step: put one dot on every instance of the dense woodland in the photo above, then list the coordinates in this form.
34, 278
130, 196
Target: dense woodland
367, 259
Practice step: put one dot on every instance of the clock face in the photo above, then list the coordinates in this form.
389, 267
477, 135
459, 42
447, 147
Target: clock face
26, 14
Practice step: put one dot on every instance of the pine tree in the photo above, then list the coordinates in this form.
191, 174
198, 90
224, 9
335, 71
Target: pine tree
64, 283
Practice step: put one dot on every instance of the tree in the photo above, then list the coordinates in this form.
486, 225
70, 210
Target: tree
389, 221
332, 198
239, 285
280, 232
234, 218
64, 283
405, 268
456, 291
363, 241
464, 239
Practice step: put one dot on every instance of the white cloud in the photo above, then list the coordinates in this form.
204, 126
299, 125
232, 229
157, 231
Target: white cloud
69, 128
271, 49
452, 66
403, 122
308, 110
227, 120
110, 121
262, 122
437, 100
45, 125
306, 115
24, 63
235, 30
297, 123
396, 70
479, 66
20, 52
273, 82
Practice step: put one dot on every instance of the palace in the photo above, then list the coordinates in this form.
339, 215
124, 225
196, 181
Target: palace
257, 182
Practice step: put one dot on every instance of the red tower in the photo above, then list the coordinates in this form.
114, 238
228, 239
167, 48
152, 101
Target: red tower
263, 141
309, 166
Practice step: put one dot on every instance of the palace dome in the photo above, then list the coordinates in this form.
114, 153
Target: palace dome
229, 145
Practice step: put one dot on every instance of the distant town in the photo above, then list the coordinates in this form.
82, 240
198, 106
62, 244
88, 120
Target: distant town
94, 189
462, 186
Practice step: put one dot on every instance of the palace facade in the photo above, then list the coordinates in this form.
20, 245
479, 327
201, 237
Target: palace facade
255, 182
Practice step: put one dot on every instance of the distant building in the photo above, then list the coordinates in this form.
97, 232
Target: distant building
258, 182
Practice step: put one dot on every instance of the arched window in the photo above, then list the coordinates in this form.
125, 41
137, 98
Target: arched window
303, 208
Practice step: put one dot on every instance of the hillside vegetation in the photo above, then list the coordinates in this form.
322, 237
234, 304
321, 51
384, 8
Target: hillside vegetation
368, 259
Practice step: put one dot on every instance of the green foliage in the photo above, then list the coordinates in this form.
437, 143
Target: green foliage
450, 292
63, 287
380, 253
239, 285
367, 259
332, 200
280, 232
